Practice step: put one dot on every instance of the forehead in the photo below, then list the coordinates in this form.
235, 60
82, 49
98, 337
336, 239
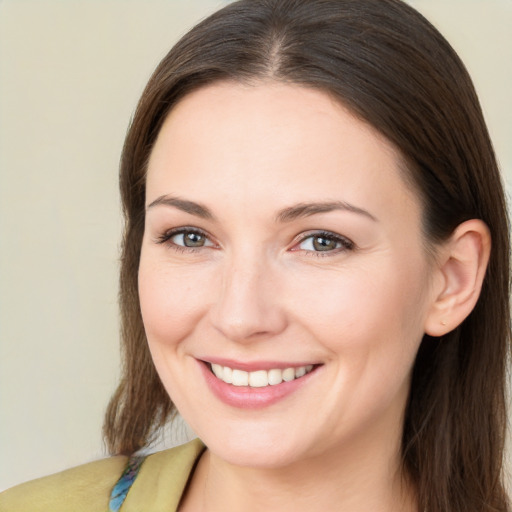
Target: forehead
278, 141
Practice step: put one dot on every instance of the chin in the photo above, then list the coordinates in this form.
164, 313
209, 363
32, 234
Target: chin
270, 450
268, 457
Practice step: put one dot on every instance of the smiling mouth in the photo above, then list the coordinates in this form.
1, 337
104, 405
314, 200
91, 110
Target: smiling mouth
259, 378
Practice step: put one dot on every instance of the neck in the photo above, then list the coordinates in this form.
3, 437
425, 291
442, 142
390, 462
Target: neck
364, 475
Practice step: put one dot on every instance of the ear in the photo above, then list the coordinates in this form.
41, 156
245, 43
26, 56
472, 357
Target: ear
461, 271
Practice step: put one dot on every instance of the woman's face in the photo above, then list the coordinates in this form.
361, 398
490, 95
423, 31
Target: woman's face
280, 238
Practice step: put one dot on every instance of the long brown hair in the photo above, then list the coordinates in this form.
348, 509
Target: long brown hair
392, 69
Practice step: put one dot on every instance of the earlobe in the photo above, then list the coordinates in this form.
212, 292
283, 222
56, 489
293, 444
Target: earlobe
462, 268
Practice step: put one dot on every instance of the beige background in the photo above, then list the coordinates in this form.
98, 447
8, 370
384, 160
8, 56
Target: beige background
70, 75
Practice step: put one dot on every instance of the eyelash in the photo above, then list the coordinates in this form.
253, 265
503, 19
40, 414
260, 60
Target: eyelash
345, 243
166, 237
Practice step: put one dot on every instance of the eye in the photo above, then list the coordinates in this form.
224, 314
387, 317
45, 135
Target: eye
186, 238
325, 242
190, 239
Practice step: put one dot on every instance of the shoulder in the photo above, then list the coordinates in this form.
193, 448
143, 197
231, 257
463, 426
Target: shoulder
84, 488
162, 479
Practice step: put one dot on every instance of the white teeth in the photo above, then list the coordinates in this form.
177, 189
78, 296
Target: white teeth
218, 370
300, 371
259, 378
227, 375
240, 378
275, 377
288, 374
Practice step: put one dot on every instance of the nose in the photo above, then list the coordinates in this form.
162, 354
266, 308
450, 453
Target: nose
248, 306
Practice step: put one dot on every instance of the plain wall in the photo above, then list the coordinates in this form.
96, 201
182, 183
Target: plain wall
70, 75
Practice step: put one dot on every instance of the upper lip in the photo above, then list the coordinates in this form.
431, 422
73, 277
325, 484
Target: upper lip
251, 366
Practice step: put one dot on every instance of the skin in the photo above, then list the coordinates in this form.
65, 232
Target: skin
257, 290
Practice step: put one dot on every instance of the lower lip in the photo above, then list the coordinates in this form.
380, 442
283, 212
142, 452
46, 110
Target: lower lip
245, 397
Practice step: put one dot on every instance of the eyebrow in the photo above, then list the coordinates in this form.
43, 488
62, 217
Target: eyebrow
184, 205
307, 209
287, 214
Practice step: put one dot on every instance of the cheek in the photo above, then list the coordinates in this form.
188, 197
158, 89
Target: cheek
171, 301
377, 305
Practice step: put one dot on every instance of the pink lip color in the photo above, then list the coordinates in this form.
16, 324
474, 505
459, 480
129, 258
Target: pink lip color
245, 397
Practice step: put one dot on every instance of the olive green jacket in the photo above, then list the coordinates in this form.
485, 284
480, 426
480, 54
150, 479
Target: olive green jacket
157, 488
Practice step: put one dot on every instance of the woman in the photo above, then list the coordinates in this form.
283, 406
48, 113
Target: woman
314, 271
